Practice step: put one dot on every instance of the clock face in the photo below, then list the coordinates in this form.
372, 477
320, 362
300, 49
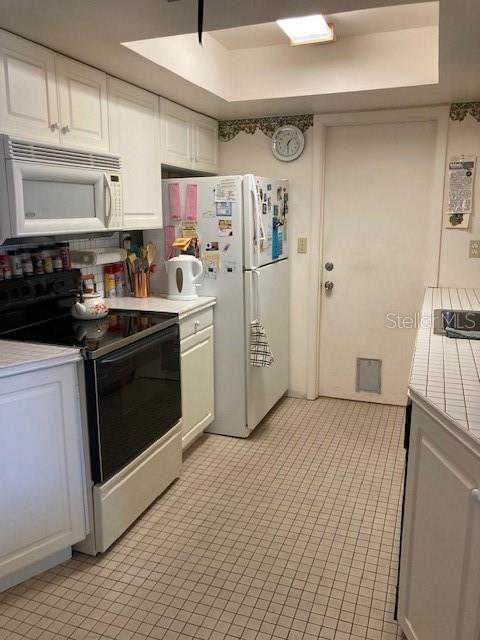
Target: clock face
287, 143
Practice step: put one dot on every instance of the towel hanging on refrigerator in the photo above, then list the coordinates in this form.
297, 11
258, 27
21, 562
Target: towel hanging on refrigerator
260, 354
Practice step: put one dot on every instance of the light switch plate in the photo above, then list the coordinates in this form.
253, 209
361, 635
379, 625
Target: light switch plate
474, 249
301, 245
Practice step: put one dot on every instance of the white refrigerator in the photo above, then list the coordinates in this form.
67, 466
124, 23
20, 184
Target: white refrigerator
242, 225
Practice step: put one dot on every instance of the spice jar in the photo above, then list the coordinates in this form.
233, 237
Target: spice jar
63, 249
27, 266
5, 267
16, 263
57, 258
37, 262
119, 273
109, 280
47, 259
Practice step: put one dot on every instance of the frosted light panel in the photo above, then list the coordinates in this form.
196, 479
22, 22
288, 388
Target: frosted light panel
305, 29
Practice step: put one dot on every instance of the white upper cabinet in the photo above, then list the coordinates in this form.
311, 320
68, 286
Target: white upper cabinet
82, 96
134, 127
28, 90
177, 147
205, 135
50, 98
189, 140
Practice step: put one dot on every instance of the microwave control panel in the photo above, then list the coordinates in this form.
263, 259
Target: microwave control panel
116, 214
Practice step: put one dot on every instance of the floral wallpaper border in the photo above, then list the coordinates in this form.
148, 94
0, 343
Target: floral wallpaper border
228, 129
459, 110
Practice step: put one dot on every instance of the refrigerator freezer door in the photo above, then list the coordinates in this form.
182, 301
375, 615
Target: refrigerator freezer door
266, 295
265, 220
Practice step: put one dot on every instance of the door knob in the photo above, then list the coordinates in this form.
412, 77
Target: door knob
66, 129
328, 285
329, 266
475, 493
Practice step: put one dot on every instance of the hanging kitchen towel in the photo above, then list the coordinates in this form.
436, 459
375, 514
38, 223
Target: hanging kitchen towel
260, 354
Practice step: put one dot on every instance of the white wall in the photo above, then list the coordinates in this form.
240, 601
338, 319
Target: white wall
252, 154
456, 268
373, 61
407, 57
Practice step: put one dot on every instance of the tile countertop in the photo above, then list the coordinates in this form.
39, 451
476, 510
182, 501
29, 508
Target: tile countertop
18, 357
160, 303
446, 371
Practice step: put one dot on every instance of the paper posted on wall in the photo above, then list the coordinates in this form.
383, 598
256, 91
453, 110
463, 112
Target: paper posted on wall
461, 178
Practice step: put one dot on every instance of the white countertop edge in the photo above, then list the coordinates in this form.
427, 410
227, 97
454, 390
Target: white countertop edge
154, 304
466, 437
27, 366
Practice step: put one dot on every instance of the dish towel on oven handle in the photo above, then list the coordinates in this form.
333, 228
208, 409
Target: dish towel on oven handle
260, 354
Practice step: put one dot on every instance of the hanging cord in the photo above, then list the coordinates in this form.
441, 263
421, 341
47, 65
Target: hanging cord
200, 20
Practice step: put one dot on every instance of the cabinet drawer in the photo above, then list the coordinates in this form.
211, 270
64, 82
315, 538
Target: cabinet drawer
195, 323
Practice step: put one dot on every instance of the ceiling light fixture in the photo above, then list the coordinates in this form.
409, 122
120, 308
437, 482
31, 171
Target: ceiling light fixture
307, 29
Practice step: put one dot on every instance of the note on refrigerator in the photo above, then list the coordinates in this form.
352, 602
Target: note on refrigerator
226, 190
191, 207
174, 201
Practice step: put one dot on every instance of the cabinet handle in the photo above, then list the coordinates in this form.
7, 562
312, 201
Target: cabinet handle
66, 129
475, 493
54, 126
196, 324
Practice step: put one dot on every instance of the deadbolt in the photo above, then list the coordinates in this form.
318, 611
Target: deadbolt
328, 285
329, 266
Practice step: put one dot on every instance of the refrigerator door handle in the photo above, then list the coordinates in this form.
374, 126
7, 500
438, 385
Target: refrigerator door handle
256, 295
258, 230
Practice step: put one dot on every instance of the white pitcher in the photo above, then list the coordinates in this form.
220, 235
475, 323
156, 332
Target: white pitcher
183, 273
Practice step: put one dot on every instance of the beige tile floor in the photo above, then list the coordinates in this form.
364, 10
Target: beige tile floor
292, 534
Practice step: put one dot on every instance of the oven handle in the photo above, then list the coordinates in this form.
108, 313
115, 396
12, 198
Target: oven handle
137, 347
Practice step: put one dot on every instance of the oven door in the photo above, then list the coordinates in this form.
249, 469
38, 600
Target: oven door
47, 199
134, 398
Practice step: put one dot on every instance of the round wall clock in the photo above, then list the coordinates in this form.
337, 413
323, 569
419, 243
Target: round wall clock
288, 143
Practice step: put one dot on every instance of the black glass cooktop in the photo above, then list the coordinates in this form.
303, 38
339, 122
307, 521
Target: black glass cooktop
116, 330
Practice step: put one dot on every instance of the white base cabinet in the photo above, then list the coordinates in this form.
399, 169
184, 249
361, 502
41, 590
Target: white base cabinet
42, 497
197, 375
439, 593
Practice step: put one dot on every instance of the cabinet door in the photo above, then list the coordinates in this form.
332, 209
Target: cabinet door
82, 94
176, 129
205, 132
440, 562
197, 384
134, 135
42, 500
28, 92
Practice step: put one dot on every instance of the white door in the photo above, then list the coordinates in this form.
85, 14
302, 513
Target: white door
42, 500
134, 134
197, 384
176, 138
267, 299
205, 133
82, 94
28, 92
378, 217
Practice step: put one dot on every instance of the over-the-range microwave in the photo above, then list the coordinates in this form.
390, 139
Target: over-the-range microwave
50, 190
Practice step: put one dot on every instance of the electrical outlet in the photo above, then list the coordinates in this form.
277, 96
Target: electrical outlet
302, 245
474, 249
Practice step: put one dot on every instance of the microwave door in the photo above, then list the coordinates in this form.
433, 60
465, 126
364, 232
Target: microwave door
48, 199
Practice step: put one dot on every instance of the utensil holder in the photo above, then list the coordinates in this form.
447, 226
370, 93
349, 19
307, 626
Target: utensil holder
141, 285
